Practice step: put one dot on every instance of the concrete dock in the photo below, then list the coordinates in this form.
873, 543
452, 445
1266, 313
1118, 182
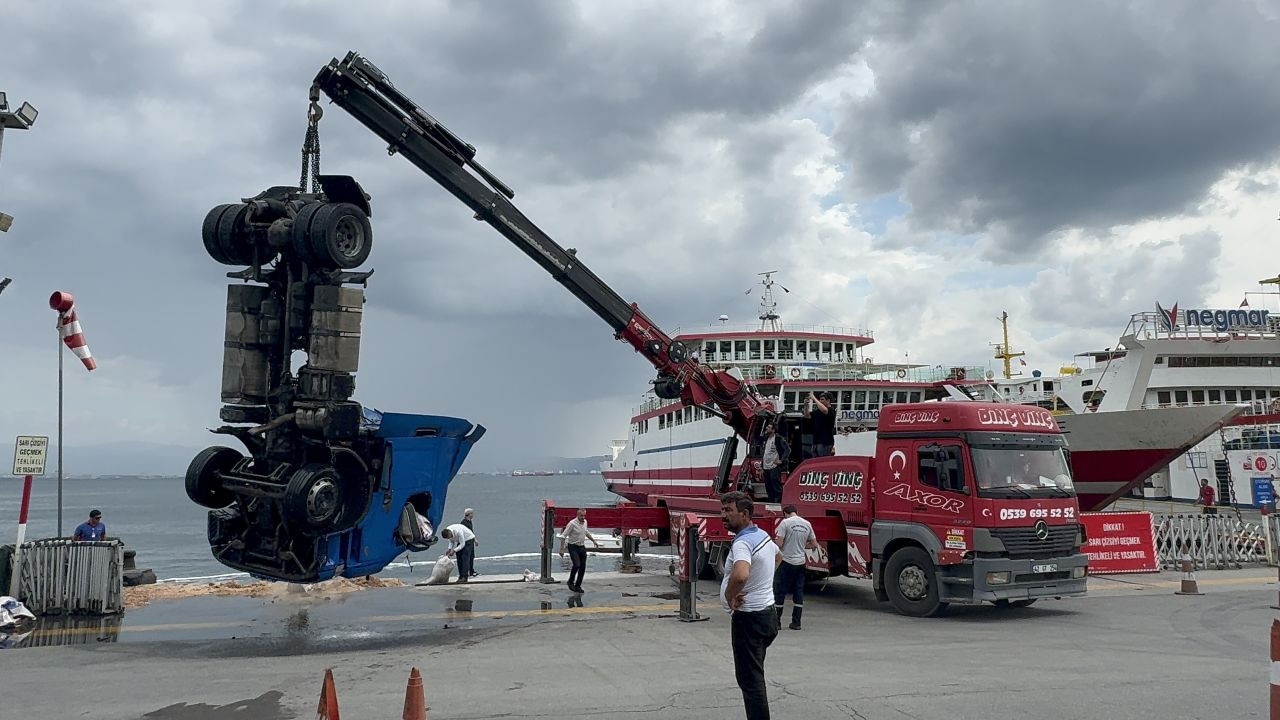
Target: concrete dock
1132, 649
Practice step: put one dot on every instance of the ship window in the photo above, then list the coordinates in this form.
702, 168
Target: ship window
826, 351
860, 399
1048, 386
839, 352
1175, 361
709, 351
769, 350
1163, 398
662, 422
739, 349
914, 396
1215, 396
726, 348
1197, 396
1232, 361
1246, 394
789, 400
754, 346
1229, 395
813, 349
1180, 397
1217, 361
873, 399
842, 403
784, 350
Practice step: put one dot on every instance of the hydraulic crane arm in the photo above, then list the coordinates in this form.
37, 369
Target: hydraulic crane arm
360, 88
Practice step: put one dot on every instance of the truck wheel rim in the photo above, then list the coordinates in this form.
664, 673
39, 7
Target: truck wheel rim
349, 237
913, 583
322, 500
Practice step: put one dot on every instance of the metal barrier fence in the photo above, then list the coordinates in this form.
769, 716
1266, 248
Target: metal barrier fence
1211, 541
61, 576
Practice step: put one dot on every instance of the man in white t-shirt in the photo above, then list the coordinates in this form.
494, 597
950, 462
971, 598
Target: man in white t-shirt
747, 592
794, 534
458, 536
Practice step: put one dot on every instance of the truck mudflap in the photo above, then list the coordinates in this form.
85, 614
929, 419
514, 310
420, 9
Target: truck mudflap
979, 580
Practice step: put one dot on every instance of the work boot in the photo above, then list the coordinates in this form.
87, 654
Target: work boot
778, 607
795, 617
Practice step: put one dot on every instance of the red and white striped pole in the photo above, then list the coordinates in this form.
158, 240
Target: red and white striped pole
22, 535
1275, 670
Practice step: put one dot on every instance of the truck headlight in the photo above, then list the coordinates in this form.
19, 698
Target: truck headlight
1077, 573
998, 578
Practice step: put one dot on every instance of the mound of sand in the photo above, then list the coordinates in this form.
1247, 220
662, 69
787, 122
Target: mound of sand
136, 597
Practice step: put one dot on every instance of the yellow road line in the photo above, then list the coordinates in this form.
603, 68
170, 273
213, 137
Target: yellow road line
447, 615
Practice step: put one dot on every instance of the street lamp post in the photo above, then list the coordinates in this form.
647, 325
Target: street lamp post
21, 119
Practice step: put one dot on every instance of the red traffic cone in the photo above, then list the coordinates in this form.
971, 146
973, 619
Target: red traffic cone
415, 699
328, 709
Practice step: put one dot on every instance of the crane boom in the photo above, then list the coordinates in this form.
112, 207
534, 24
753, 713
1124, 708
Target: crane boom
364, 91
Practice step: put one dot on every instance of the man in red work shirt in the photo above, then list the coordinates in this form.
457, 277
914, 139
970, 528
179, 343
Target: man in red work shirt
1207, 498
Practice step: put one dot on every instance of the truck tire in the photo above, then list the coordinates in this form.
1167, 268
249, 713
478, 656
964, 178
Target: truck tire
341, 236
209, 233
912, 583
313, 497
204, 487
234, 237
301, 231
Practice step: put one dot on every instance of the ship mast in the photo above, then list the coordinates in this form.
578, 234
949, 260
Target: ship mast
1003, 352
768, 308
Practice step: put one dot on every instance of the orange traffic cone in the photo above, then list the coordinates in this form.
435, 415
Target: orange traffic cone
415, 699
1189, 586
328, 709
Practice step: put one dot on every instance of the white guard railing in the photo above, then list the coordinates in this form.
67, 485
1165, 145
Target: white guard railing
63, 576
1212, 541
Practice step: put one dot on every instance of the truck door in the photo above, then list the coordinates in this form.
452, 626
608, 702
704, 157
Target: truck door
942, 489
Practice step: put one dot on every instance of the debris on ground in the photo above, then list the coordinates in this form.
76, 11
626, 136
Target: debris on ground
136, 597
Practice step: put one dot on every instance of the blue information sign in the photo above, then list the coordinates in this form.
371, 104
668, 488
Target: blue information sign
1263, 491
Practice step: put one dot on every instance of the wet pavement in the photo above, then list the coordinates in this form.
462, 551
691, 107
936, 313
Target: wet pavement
1132, 649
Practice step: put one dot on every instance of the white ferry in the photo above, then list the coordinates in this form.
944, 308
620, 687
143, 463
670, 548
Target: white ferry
1178, 358
675, 450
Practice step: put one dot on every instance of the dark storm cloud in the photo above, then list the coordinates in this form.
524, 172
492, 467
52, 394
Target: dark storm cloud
1021, 119
149, 117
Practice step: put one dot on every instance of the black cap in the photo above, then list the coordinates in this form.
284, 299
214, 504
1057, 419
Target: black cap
824, 394
95, 513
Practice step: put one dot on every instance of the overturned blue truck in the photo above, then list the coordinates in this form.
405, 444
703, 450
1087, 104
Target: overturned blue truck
323, 486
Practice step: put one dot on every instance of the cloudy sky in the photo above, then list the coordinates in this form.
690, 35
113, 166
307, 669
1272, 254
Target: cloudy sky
914, 168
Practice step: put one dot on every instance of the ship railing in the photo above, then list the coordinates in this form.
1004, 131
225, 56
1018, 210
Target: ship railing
751, 329
1251, 407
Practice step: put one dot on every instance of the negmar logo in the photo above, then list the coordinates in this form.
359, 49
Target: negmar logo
1220, 320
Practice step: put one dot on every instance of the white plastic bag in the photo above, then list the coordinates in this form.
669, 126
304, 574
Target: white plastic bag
442, 570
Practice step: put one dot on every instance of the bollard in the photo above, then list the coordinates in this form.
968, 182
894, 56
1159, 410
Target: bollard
328, 708
1189, 586
629, 547
415, 698
688, 577
548, 540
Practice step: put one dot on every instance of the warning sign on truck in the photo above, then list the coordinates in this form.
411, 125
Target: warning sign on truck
1120, 542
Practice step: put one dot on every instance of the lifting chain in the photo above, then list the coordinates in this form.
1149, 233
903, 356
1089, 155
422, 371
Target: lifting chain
311, 144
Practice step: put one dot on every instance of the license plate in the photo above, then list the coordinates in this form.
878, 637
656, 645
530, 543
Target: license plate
1044, 568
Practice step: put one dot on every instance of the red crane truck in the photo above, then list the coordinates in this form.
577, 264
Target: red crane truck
959, 502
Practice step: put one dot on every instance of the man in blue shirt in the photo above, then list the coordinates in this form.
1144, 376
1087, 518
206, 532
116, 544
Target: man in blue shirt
94, 529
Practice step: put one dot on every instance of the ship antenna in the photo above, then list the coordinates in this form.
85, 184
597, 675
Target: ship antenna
768, 308
1002, 351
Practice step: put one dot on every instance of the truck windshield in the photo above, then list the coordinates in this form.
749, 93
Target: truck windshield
1022, 472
